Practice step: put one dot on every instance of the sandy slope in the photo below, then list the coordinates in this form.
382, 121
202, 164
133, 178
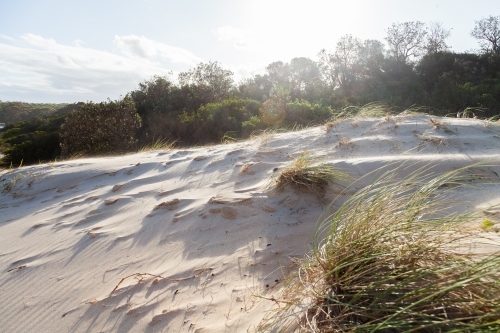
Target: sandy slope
199, 224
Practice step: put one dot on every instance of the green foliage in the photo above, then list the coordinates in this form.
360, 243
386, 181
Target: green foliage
154, 96
487, 224
251, 126
209, 80
214, 120
305, 113
36, 147
203, 105
32, 141
12, 112
108, 127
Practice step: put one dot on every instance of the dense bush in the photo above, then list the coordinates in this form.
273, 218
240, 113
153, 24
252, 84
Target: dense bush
305, 113
251, 125
214, 120
101, 128
12, 112
37, 147
32, 141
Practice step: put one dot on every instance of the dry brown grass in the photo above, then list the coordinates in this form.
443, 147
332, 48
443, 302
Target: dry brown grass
303, 174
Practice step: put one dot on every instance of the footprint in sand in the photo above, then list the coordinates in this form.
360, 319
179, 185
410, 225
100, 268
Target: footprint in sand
177, 217
169, 205
268, 209
110, 201
226, 212
229, 213
166, 316
117, 187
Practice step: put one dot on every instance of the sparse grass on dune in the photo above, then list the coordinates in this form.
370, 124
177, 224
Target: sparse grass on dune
158, 144
302, 173
379, 110
391, 259
376, 109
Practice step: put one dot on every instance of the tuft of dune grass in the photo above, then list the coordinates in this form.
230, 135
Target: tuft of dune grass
158, 144
392, 259
305, 175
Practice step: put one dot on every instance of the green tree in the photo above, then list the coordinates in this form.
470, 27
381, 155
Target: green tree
209, 80
279, 75
305, 79
154, 95
214, 120
256, 88
339, 68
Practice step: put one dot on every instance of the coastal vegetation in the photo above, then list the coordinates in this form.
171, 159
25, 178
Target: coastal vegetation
204, 105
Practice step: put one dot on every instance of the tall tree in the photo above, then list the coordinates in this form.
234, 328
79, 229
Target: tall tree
256, 88
370, 58
279, 74
210, 79
339, 68
406, 40
153, 95
326, 65
436, 38
487, 32
305, 79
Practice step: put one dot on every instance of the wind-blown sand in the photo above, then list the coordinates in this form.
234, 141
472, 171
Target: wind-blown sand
199, 226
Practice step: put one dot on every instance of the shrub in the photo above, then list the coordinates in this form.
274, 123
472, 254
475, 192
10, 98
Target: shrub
273, 110
32, 141
305, 113
251, 125
214, 120
108, 127
37, 147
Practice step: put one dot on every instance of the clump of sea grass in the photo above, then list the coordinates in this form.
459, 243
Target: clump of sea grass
391, 259
158, 144
303, 174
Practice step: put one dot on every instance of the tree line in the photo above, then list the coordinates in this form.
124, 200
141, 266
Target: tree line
204, 105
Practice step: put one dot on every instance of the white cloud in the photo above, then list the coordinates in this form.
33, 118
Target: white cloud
79, 43
241, 39
34, 68
6, 37
142, 47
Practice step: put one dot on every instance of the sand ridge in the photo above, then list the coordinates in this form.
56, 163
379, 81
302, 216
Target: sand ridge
186, 240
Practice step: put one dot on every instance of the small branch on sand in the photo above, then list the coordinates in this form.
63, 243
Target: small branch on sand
141, 276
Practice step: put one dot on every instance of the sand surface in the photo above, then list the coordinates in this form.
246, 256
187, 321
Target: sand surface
189, 240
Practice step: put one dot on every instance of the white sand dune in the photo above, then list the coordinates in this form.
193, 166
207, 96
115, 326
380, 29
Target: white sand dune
184, 240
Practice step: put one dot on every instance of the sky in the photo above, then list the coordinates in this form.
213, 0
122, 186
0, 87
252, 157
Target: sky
65, 51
